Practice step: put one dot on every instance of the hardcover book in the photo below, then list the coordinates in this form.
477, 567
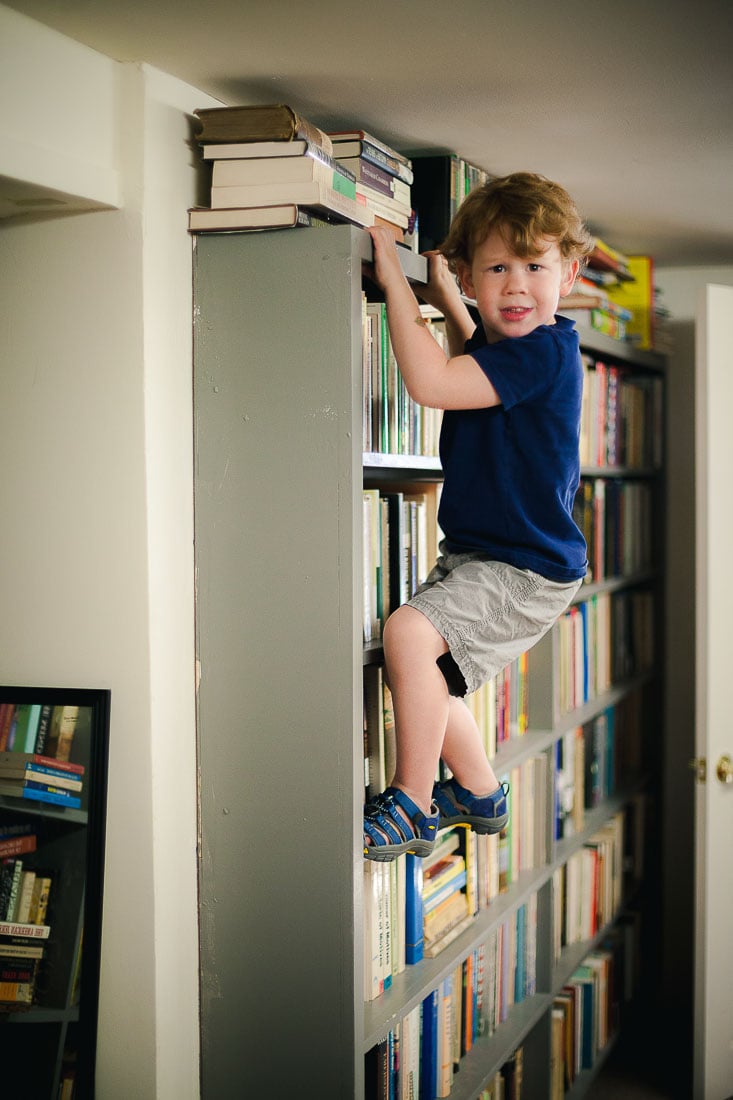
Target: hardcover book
257, 122
202, 219
305, 193
244, 150
266, 170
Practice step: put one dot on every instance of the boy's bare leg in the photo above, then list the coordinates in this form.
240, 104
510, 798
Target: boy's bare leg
420, 698
464, 753
428, 722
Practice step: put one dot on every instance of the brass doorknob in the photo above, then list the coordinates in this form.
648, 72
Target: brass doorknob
724, 770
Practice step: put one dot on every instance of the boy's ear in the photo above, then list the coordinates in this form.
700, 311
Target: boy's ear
463, 271
569, 275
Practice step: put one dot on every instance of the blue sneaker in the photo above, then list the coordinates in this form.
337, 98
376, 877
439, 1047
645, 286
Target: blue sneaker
393, 824
458, 806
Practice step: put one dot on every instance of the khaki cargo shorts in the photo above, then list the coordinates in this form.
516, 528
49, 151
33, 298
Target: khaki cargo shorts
489, 614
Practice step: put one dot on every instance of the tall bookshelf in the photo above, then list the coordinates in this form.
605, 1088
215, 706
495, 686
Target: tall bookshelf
278, 503
48, 1045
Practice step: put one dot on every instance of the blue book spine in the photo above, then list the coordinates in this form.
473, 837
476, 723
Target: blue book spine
588, 1024
39, 794
414, 942
556, 788
586, 653
429, 1047
520, 973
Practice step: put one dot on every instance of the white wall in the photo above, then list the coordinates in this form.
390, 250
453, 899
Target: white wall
96, 573
60, 103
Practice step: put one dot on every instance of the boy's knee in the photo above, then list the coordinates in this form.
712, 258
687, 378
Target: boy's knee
408, 625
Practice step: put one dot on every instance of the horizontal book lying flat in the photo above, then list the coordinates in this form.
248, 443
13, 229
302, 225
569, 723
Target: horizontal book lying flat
36, 793
48, 776
255, 150
258, 122
19, 760
203, 219
384, 207
237, 173
364, 136
306, 193
378, 178
31, 931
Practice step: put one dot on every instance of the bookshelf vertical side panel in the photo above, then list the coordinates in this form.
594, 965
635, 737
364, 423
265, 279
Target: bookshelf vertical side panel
542, 678
278, 528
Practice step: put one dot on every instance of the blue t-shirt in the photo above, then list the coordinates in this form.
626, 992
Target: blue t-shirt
511, 471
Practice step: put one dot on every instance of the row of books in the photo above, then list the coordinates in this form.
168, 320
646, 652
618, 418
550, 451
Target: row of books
36, 728
392, 422
621, 417
615, 517
271, 167
24, 899
35, 748
421, 1054
500, 707
585, 1015
600, 642
591, 760
18, 974
588, 888
399, 544
24, 893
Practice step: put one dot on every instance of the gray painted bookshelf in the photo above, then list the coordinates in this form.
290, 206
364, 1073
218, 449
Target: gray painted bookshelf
278, 479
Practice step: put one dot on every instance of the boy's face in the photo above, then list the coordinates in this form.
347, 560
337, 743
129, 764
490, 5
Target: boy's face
515, 294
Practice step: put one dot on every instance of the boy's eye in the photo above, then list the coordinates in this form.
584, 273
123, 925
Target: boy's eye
535, 267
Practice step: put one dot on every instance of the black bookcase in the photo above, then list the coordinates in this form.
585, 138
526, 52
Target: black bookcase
48, 1047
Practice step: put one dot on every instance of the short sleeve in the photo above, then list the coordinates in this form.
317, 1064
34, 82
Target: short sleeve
525, 367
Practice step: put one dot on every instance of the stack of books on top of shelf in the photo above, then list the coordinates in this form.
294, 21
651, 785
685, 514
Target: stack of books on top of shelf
24, 894
272, 168
384, 177
35, 749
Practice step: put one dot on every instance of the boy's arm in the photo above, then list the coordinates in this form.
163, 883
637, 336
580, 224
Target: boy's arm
431, 379
441, 292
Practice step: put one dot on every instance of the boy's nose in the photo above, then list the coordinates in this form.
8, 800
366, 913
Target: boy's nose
514, 283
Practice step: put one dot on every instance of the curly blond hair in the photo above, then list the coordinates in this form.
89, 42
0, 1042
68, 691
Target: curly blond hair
526, 208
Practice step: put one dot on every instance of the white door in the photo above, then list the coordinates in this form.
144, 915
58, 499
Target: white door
714, 696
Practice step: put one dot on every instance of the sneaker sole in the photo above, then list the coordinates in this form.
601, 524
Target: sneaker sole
385, 853
483, 825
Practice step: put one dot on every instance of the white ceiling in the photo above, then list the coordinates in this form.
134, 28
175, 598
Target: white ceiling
629, 104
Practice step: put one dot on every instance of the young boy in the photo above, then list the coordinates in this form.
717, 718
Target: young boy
512, 558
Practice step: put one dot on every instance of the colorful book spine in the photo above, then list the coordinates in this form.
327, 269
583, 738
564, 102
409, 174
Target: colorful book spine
414, 942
